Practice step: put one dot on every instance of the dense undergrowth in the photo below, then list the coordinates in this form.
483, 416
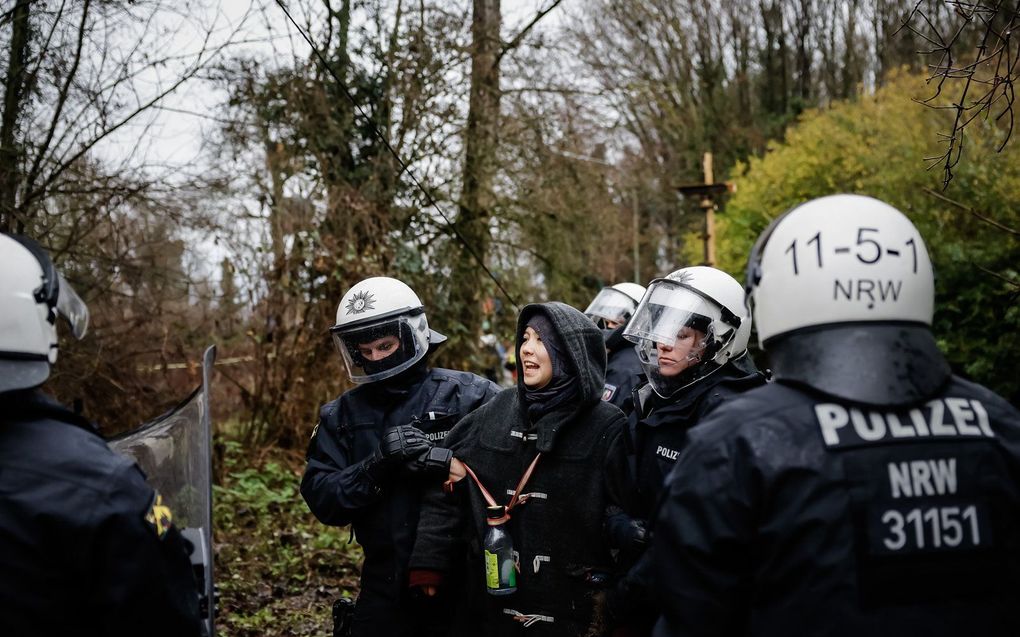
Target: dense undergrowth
277, 568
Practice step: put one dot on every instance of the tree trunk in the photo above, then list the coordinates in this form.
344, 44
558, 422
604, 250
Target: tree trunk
774, 98
740, 37
14, 97
804, 21
852, 71
480, 143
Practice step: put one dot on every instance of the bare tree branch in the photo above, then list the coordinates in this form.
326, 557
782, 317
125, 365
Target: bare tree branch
516, 40
1001, 277
58, 110
105, 129
988, 28
972, 212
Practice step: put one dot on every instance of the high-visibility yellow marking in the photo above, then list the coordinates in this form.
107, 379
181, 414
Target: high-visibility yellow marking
160, 517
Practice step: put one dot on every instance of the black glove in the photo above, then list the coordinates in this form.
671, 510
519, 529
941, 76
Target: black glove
433, 462
398, 446
625, 533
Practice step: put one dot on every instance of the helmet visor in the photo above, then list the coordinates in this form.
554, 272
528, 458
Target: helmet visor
675, 332
666, 310
72, 308
611, 305
381, 350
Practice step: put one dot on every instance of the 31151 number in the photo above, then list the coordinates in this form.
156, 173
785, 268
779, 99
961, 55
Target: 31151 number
937, 527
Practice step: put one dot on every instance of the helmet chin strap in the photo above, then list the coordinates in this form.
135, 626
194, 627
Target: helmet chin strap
688, 377
712, 349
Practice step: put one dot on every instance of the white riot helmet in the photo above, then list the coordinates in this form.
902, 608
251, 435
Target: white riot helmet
381, 329
843, 294
688, 325
32, 295
615, 304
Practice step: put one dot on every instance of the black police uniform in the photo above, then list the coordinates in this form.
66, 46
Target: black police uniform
658, 432
339, 490
623, 368
794, 513
77, 554
658, 429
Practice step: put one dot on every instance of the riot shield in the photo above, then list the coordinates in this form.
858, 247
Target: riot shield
174, 451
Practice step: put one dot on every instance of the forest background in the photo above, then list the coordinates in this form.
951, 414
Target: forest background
425, 140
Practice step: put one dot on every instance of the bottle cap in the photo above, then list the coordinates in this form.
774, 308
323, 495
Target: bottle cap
494, 512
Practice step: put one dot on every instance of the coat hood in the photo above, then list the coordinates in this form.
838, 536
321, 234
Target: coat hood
583, 341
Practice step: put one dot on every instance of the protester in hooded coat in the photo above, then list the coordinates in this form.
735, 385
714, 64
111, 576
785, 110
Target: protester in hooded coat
557, 531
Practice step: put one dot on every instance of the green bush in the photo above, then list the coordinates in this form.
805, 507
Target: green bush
876, 146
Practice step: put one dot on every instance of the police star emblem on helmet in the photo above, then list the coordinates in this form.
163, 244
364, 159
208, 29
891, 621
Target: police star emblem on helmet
360, 302
680, 276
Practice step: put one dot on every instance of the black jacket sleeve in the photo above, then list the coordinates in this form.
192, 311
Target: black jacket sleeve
629, 598
143, 581
334, 485
445, 517
620, 489
702, 537
491, 389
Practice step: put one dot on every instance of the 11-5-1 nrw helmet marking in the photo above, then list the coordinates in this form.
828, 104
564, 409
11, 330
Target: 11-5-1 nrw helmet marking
843, 296
842, 258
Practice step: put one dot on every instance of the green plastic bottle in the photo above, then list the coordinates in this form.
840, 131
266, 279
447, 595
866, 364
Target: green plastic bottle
500, 575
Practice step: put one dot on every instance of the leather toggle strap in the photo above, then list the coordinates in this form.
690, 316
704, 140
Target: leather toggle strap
528, 620
516, 499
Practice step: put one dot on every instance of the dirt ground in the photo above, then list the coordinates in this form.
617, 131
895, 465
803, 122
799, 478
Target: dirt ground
277, 568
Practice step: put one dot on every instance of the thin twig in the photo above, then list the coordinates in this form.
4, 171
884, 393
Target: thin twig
1008, 280
973, 212
515, 42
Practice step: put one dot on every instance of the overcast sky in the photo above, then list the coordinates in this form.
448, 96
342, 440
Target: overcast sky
172, 136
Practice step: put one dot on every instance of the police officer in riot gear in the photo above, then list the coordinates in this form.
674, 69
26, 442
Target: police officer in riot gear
867, 491
691, 331
86, 546
374, 453
611, 308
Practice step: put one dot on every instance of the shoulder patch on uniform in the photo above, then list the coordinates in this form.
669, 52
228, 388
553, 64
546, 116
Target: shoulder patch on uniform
159, 517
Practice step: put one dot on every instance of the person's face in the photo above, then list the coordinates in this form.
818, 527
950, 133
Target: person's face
535, 361
685, 352
378, 349
612, 325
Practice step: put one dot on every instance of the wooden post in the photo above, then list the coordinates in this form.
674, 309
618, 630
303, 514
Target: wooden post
708, 192
709, 205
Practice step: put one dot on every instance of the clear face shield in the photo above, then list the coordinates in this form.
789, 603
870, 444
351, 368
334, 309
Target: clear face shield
72, 308
381, 350
677, 332
610, 308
